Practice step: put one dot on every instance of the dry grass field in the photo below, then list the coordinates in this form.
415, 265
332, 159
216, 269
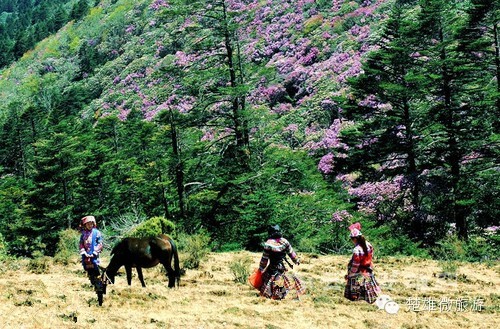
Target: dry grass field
61, 297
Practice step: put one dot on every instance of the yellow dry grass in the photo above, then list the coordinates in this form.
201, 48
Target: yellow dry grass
209, 297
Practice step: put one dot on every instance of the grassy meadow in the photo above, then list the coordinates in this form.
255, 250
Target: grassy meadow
431, 294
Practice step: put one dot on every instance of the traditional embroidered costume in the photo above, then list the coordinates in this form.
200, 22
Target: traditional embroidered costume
361, 283
90, 247
275, 282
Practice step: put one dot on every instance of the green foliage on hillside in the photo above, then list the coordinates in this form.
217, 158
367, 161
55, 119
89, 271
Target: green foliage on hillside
224, 117
24, 23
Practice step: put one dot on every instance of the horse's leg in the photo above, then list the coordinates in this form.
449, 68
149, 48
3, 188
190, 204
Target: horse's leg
139, 274
128, 269
163, 251
170, 271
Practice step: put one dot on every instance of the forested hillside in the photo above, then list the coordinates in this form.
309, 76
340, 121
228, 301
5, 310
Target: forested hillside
224, 116
25, 22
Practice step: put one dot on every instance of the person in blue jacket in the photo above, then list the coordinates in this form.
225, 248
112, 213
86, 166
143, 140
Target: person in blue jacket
90, 247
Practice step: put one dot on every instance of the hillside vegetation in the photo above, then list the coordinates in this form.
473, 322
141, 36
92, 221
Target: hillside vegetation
225, 116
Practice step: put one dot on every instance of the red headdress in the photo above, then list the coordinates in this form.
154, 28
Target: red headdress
355, 230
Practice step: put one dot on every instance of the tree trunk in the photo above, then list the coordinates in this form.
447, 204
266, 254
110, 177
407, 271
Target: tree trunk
238, 101
458, 216
497, 62
179, 168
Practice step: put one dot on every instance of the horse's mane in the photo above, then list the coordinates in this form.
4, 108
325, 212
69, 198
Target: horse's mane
118, 245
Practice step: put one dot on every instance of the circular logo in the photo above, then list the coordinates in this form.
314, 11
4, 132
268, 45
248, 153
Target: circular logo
391, 307
381, 301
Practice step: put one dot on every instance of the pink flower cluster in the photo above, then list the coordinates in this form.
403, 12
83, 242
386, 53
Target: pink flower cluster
341, 216
158, 4
492, 229
373, 194
130, 29
183, 59
326, 163
331, 139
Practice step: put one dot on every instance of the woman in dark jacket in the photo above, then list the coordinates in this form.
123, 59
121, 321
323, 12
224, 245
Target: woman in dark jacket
276, 284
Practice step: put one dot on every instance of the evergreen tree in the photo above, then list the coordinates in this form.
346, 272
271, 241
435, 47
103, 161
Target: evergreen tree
60, 160
24, 41
216, 59
477, 48
211, 71
389, 121
15, 144
6, 44
421, 114
455, 108
79, 10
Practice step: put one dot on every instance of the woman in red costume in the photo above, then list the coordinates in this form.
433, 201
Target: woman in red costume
361, 283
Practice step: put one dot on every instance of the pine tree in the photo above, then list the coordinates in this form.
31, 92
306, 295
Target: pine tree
60, 161
210, 70
384, 142
460, 107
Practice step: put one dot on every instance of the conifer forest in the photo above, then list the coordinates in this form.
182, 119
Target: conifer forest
226, 116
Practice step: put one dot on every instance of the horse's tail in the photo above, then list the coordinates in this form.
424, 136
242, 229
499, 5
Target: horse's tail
177, 268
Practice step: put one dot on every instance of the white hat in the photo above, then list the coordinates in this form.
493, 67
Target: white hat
88, 219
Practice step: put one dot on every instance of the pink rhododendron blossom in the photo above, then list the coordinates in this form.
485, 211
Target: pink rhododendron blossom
401, 131
372, 194
471, 157
330, 139
367, 142
393, 161
492, 229
291, 128
123, 114
341, 216
282, 108
347, 179
326, 164
158, 4
130, 29
182, 59
209, 135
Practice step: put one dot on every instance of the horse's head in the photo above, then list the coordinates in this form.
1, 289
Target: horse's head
103, 280
107, 275
114, 264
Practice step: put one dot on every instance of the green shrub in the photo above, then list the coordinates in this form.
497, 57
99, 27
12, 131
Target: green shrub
449, 268
308, 244
388, 241
231, 246
240, 268
67, 246
477, 248
3, 248
194, 247
450, 249
326, 241
153, 227
313, 23
40, 264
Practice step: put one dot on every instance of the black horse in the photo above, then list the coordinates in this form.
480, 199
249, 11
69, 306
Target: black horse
145, 253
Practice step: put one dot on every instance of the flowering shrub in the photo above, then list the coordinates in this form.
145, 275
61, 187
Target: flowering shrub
374, 194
